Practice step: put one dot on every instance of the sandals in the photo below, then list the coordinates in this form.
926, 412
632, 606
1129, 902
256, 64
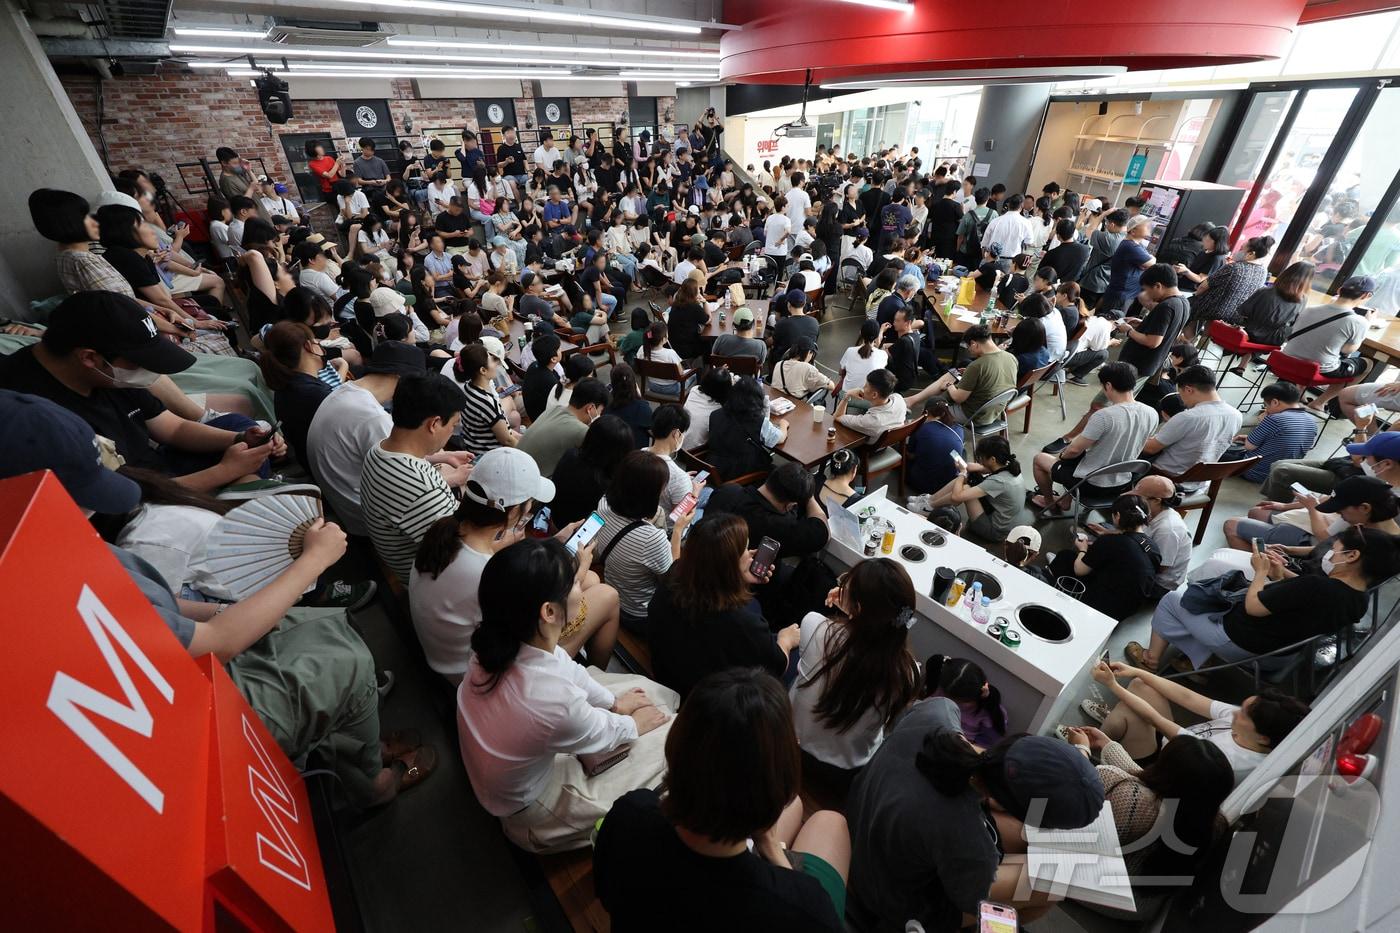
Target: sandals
1047, 505
1095, 711
399, 743
1136, 656
416, 766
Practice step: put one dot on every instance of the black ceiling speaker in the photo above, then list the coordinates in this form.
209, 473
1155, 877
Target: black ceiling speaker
274, 98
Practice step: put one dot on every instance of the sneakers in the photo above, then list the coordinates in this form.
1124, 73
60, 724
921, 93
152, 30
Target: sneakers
1062, 732
1077, 380
384, 683
1055, 446
921, 504
341, 595
1095, 711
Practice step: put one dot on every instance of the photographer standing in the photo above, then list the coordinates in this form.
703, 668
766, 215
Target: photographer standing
709, 128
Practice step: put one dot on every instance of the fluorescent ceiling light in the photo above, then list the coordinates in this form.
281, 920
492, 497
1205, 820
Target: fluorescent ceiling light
246, 72
407, 70
567, 49
276, 52
220, 33
527, 11
885, 4
671, 76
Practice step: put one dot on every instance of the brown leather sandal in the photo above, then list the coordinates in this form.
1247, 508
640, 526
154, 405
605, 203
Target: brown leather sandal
399, 743
416, 766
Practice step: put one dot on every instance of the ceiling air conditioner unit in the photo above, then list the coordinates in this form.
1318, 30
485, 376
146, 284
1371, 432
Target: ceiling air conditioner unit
291, 31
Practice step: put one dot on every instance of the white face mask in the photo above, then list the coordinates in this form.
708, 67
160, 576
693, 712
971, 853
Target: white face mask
1328, 563
133, 378
1367, 468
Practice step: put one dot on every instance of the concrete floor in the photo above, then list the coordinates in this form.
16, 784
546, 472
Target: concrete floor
435, 860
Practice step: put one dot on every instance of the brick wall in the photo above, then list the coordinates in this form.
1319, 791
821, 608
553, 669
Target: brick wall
180, 116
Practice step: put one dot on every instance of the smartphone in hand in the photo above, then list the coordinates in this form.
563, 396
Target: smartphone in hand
765, 558
585, 533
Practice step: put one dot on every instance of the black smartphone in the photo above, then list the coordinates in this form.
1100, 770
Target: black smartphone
765, 557
260, 439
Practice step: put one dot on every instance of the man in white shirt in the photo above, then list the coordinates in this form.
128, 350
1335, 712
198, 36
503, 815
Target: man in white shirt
545, 153
687, 265
969, 185
887, 407
351, 420
401, 493
1093, 349
1011, 231
278, 204
1199, 434
799, 203
313, 270
1166, 529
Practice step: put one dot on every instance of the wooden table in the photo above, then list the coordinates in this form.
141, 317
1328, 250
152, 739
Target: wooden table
714, 329
980, 300
1383, 346
806, 441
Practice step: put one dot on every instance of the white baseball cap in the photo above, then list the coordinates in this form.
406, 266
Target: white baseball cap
494, 347
1024, 534
115, 199
386, 301
507, 476
1094, 204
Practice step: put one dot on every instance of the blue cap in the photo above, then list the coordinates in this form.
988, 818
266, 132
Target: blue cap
796, 298
280, 188
1384, 446
36, 434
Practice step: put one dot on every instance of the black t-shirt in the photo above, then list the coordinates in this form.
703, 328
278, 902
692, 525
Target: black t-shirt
715, 256
798, 533
1166, 319
684, 326
649, 880
539, 381
446, 223
904, 362
1012, 285
296, 405
791, 329
505, 151
590, 277
889, 307
1124, 566
686, 645
120, 415
944, 215
138, 270
1300, 607
534, 308
1068, 260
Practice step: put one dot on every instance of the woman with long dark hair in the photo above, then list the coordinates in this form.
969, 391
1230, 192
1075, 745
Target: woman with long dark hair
861, 360
979, 703
1218, 298
997, 503
855, 675
526, 710
584, 472
725, 843
1028, 346
703, 616
741, 433
1267, 316
1214, 252
1117, 568
628, 405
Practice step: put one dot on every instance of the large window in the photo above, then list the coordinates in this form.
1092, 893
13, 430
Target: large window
1353, 196
1295, 168
1256, 136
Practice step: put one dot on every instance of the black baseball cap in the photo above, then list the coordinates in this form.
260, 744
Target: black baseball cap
396, 358
1055, 786
115, 326
1359, 490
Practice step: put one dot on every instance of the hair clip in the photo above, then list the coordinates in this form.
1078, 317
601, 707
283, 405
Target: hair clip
904, 618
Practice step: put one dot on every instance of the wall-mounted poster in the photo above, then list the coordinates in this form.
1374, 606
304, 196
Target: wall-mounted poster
366, 118
552, 111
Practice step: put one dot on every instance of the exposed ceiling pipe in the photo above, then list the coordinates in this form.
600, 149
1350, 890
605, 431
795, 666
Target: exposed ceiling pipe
68, 27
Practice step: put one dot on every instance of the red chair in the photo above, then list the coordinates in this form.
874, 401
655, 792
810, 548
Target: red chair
1305, 374
1234, 343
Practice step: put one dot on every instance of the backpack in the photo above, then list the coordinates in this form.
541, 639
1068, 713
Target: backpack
973, 245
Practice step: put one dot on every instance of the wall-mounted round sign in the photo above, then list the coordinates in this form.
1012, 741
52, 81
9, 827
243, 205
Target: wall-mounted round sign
551, 113
366, 117
496, 114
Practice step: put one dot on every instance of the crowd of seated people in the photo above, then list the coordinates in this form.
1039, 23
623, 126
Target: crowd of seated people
430, 366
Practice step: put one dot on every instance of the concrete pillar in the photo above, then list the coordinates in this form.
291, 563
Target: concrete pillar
44, 146
1009, 122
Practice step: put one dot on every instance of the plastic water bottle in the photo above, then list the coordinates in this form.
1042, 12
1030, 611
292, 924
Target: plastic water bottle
974, 598
982, 611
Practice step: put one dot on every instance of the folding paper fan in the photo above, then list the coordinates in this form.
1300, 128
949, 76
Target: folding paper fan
258, 540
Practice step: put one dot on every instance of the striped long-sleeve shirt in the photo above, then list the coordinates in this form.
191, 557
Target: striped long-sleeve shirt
401, 496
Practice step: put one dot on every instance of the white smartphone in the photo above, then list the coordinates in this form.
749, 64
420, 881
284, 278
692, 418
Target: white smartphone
958, 461
996, 918
1302, 490
1365, 411
585, 533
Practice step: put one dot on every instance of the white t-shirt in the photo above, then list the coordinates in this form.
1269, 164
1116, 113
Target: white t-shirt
683, 270
377, 242
438, 198
1055, 337
349, 422
274, 206
775, 231
171, 538
661, 354
359, 204
849, 749
1097, 334
1217, 732
699, 406
545, 158
858, 368
319, 281
445, 611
